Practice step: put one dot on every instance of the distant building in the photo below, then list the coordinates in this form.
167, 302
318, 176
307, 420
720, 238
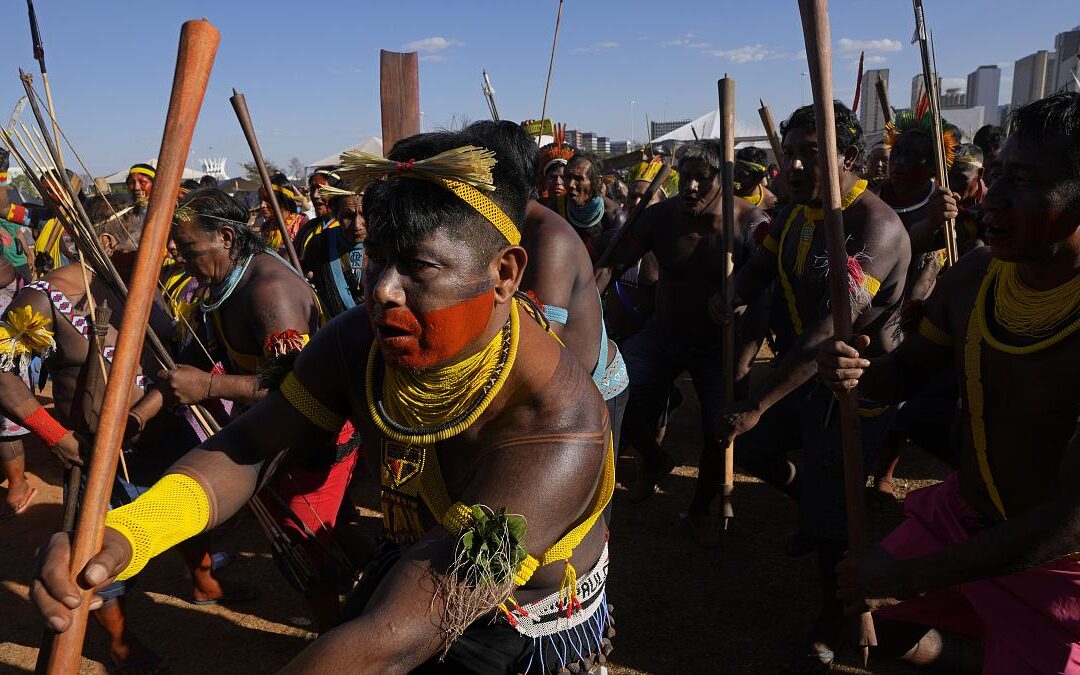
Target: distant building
1033, 77
953, 98
917, 88
984, 89
603, 144
214, 166
573, 137
620, 147
588, 141
1067, 49
871, 114
658, 129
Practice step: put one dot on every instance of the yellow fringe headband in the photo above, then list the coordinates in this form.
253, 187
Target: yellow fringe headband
143, 170
286, 192
464, 171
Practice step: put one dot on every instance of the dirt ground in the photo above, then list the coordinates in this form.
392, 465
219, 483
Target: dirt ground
679, 609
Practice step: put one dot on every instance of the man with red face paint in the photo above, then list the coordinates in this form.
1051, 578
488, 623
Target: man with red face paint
470, 411
990, 553
685, 233
789, 411
258, 315
140, 183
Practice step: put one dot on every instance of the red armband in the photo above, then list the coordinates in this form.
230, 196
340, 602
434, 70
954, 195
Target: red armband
17, 213
42, 424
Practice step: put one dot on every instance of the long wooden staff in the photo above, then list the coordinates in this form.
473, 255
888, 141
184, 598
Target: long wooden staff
815, 21
399, 95
39, 55
930, 82
770, 130
726, 93
602, 281
239, 104
198, 46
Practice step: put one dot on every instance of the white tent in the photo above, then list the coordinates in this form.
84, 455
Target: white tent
121, 175
372, 146
708, 126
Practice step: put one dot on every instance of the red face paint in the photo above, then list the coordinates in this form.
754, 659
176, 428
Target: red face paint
409, 341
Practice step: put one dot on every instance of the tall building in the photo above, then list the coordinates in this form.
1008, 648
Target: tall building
1033, 77
917, 88
983, 89
658, 129
1067, 48
871, 115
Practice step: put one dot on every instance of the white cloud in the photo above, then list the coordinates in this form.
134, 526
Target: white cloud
598, 46
874, 60
849, 46
684, 41
954, 83
747, 54
430, 48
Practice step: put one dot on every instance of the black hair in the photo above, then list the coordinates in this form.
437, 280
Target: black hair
990, 138
752, 154
189, 185
708, 150
517, 153
214, 209
969, 151
288, 205
208, 181
595, 172
401, 211
1055, 119
848, 130
127, 230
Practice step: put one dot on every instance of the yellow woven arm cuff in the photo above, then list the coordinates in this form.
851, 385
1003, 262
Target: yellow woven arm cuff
310, 407
871, 284
457, 518
931, 332
174, 509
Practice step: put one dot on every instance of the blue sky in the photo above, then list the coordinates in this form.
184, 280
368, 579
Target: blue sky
310, 70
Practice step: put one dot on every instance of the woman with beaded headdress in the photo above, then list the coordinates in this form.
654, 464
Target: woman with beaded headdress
290, 200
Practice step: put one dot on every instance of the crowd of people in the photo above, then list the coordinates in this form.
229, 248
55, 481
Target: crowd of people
483, 327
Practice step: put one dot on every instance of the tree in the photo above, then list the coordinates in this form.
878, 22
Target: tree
24, 186
296, 169
251, 172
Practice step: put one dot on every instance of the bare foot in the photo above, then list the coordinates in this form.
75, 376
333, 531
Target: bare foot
130, 657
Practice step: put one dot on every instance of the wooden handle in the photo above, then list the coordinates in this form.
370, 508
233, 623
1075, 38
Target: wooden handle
399, 92
815, 21
726, 92
770, 130
198, 46
883, 98
239, 104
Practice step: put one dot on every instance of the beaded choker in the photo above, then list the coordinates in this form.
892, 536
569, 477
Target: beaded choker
220, 292
586, 216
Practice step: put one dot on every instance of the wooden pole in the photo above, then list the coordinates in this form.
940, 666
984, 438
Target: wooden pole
815, 21
551, 69
239, 104
883, 98
39, 55
399, 92
198, 45
770, 130
930, 82
726, 93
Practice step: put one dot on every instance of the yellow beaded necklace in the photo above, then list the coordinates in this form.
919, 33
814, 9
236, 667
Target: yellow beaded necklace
1025, 313
806, 236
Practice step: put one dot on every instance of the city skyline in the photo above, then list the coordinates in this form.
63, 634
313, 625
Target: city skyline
312, 82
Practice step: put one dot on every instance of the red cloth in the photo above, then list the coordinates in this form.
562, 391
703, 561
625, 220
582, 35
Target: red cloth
315, 498
1029, 622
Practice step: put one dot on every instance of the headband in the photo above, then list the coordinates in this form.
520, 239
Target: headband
144, 169
325, 172
285, 192
464, 171
754, 166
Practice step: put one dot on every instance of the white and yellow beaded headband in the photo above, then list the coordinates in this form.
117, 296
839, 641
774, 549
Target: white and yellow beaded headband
464, 171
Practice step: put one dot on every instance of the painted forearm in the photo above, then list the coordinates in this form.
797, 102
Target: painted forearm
239, 388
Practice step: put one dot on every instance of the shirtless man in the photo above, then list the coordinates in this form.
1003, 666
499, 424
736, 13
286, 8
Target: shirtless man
258, 313
334, 258
957, 563
788, 411
584, 207
686, 234
751, 177
60, 301
440, 285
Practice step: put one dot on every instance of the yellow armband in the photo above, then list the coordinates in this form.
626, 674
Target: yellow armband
174, 509
310, 407
931, 332
871, 284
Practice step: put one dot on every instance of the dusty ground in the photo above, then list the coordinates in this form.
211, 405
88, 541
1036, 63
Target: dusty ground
679, 609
